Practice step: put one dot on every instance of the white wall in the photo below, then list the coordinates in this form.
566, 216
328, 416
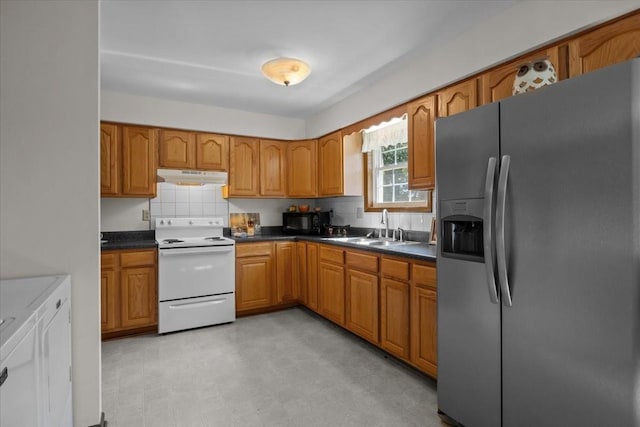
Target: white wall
270, 210
520, 28
128, 108
345, 212
123, 214
49, 163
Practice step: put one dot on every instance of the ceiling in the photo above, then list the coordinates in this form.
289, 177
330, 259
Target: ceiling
210, 52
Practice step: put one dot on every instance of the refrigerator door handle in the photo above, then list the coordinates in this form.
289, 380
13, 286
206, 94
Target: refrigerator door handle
487, 229
501, 252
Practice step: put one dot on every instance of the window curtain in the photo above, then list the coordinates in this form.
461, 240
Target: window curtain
392, 132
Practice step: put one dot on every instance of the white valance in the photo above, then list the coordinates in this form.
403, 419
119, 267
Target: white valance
388, 133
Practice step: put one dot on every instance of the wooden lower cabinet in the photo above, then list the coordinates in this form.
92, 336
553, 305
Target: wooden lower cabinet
138, 297
129, 292
362, 304
255, 276
331, 292
286, 285
424, 349
109, 295
301, 275
266, 276
394, 317
312, 276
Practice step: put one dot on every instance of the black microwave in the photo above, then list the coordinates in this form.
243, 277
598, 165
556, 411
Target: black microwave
305, 222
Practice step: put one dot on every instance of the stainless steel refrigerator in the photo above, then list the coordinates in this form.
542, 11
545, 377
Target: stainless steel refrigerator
539, 256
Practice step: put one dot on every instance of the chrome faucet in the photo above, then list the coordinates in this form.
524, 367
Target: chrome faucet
385, 222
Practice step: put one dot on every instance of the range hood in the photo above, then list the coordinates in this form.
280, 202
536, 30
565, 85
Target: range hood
192, 177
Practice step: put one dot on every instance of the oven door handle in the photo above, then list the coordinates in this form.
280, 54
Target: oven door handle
191, 251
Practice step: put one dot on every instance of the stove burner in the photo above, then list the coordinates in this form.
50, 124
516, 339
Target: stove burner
213, 238
172, 241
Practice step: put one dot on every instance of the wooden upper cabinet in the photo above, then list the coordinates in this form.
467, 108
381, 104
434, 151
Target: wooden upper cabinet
139, 146
302, 158
497, 83
421, 115
273, 161
212, 151
608, 45
109, 164
177, 149
243, 166
458, 98
340, 165
330, 176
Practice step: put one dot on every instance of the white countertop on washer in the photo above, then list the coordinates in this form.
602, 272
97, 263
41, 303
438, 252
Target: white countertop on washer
19, 301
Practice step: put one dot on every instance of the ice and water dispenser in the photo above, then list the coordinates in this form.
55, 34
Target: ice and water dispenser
461, 229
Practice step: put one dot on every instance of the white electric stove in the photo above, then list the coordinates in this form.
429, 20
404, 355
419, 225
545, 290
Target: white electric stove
196, 273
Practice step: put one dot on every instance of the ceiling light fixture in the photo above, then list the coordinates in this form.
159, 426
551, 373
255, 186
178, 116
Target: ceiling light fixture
286, 71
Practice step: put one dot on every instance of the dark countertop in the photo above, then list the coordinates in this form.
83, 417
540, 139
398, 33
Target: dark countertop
146, 240
116, 240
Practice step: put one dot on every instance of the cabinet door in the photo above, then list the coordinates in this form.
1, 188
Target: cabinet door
285, 272
273, 159
301, 278
424, 349
331, 292
312, 276
421, 115
254, 282
394, 317
459, 98
302, 168
243, 167
109, 300
362, 304
330, 165
497, 84
212, 152
138, 294
109, 164
177, 149
607, 45
139, 161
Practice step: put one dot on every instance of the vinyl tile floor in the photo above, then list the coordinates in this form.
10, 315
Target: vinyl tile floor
287, 368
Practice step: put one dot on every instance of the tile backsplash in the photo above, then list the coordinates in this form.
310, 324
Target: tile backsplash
189, 201
197, 201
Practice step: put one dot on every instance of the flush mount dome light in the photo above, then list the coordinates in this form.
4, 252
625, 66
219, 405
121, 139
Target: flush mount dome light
286, 71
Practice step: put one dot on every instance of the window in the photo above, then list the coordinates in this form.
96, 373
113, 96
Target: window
388, 170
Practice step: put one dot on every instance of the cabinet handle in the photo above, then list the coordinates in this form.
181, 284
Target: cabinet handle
487, 230
3, 376
500, 237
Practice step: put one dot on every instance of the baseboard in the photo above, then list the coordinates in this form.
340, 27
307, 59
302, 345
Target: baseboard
102, 422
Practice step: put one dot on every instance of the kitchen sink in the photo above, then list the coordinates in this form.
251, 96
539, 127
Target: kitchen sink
370, 242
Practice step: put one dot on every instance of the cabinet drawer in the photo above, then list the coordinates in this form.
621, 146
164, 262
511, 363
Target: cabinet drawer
138, 258
424, 275
362, 261
108, 261
395, 268
331, 255
254, 249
